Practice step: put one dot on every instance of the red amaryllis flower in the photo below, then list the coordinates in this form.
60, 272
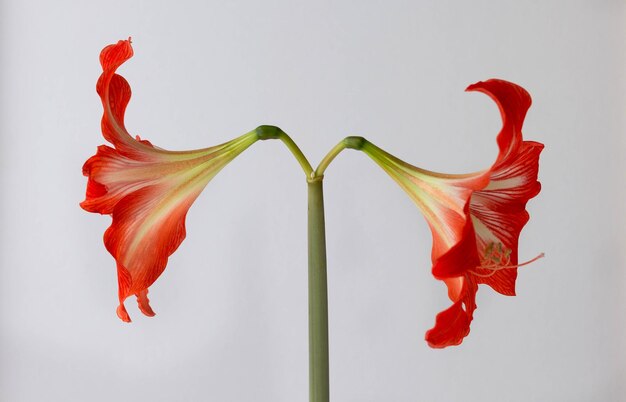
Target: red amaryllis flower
146, 190
475, 219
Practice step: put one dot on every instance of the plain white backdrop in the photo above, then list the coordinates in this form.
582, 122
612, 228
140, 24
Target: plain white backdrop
231, 307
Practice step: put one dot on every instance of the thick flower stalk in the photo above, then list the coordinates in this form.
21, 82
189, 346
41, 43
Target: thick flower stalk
476, 218
146, 190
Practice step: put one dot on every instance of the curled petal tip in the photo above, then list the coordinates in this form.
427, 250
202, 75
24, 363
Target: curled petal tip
144, 304
451, 326
512, 98
115, 55
147, 310
122, 313
472, 87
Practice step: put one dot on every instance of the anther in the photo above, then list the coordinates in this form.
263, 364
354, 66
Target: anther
497, 257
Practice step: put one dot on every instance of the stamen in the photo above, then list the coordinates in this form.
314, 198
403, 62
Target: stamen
496, 257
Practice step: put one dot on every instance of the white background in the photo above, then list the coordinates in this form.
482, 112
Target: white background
231, 307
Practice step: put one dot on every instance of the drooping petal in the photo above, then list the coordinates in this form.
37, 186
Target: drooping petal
147, 190
148, 226
148, 202
453, 324
444, 202
475, 219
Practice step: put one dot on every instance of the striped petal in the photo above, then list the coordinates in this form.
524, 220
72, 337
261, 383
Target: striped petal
442, 198
475, 219
453, 324
497, 214
146, 190
513, 102
498, 211
115, 94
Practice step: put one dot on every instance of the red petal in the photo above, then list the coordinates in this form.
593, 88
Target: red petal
113, 56
513, 102
499, 210
115, 91
461, 257
146, 189
123, 281
502, 281
453, 324
112, 176
144, 303
122, 313
148, 226
115, 94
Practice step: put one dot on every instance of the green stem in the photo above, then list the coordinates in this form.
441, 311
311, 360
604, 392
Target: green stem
318, 288
318, 295
275, 133
348, 142
295, 150
321, 168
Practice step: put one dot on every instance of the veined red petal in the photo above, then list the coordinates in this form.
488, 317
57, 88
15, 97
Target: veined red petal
442, 198
513, 102
461, 257
148, 226
453, 324
111, 178
146, 190
113, 175
475, 219
113, 56
148, 201
499, 211
115, 94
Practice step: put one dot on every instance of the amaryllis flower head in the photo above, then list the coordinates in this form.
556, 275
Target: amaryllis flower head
476, 218
146, 190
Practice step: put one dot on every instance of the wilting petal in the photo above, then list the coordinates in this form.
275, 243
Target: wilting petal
146, 190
